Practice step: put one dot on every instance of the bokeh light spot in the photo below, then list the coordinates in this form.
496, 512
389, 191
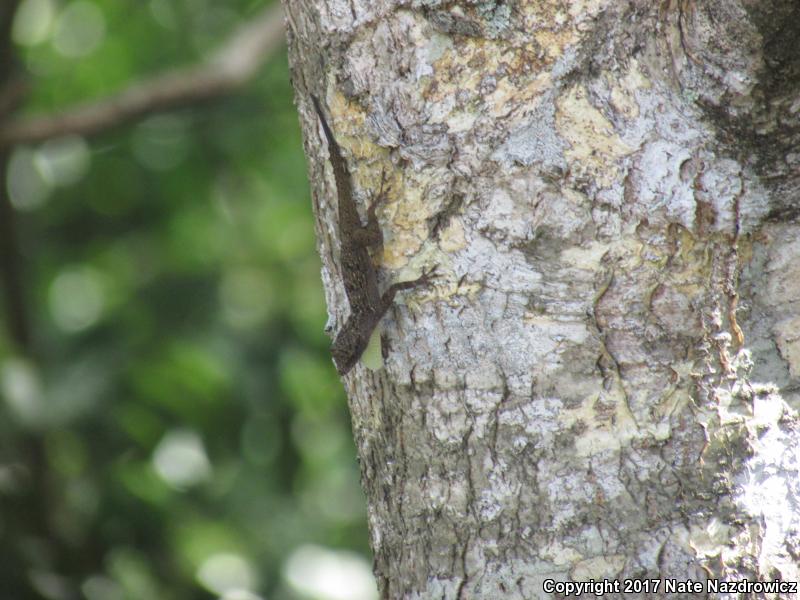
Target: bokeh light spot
180, 459
240, 595
77, 298
27, 187
99, 587
80, 29
63, 161
324, 574
23, 391
226, 573
33, 22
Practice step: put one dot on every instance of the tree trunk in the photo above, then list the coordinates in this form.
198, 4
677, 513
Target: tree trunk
600, 383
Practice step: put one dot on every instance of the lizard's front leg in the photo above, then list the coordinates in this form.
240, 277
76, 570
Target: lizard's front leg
388, 296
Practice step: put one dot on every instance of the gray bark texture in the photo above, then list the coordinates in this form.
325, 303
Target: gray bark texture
603, 381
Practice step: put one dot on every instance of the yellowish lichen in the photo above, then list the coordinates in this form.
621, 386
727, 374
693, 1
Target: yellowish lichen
612, 433
599, 567
594, 147
452, 237
559, 554
623, 90
504, 74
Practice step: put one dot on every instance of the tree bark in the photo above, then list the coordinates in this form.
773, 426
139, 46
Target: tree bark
603, 382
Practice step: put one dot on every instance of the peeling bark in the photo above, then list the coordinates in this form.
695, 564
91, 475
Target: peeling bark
603, 383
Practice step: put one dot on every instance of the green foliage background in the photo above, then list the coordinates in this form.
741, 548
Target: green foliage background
174, 297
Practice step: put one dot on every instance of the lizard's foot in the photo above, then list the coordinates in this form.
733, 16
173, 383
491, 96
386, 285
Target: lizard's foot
428, 275
383, 180
382, 196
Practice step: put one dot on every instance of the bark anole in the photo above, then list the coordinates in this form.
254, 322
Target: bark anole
359, 274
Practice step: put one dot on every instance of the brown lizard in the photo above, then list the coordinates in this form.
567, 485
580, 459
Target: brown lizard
359, 274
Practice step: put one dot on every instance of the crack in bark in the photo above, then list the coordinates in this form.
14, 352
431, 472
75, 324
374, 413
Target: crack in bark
606, 354
471, 501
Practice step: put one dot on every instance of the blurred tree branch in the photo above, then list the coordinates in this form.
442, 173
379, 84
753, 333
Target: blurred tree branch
228, 69
11, 95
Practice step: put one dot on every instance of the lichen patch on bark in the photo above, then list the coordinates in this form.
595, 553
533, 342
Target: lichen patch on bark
594, 147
